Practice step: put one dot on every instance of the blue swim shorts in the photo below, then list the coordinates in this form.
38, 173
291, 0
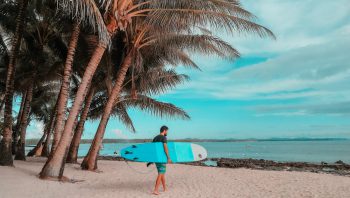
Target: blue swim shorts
161, 168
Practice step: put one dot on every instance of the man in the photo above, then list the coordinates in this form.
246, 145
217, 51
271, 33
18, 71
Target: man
161, 167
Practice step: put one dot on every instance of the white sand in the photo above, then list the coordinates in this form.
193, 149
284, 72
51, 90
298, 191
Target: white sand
118, 180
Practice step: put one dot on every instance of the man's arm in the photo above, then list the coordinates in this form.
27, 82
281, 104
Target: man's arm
167, 152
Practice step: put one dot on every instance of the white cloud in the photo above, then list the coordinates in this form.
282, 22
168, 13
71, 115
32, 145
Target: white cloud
35, 130
321, 71
317, 70
310, 60
119, 134
333, 109
296, 23
308, 65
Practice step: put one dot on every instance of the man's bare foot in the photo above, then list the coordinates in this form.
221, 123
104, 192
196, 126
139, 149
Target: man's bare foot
155, 193
165, 189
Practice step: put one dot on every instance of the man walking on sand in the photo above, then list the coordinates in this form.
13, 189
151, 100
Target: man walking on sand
161, 167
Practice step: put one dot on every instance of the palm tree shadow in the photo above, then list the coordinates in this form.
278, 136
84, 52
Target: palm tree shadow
27, 171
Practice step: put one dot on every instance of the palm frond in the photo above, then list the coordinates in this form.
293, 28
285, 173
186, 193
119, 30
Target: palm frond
156, 81
123, 115
155, 107
204, 44
179, 19
229, 7
88, 12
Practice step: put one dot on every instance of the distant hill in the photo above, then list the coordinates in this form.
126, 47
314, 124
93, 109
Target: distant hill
87, 141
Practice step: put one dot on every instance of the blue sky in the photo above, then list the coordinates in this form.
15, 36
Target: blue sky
296, 86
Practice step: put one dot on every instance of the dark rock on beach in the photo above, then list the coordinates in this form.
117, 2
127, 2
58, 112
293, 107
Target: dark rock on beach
340, 162
338, 168
112, 158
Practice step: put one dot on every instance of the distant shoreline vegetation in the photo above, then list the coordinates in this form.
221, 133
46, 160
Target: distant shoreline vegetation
87, 141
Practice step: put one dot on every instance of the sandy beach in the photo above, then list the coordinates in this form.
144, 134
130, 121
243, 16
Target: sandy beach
117, 179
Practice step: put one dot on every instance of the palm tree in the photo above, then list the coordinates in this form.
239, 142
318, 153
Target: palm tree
46, 147
55, 166
43, 109
2, 101
144, 38
63, 97
20, 154
155, 80
16, 127
179, 16
73, 149
38, 54
104, 74
92, 15
5, 144
109, 106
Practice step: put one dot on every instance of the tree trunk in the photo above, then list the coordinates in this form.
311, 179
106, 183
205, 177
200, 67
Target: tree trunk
89, 162
5, 144
2, 101
63, 97
46, 148
44, 137
74, 146
16, 128
20, 154
39, 145
54, 166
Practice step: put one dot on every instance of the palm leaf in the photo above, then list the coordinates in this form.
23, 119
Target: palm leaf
155, 107
121, 112
88, 12
183, 19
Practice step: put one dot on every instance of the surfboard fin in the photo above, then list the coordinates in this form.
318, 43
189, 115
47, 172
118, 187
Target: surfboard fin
128, 152
135, 158
134, 146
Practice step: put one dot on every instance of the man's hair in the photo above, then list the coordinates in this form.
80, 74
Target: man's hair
163, 128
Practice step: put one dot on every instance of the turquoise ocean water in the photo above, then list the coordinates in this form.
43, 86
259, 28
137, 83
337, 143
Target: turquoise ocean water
293, 151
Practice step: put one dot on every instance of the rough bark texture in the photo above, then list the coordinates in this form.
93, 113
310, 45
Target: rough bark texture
63, 97
16, 129
74, 146
54, 166
20, 154
5, 144
90, 160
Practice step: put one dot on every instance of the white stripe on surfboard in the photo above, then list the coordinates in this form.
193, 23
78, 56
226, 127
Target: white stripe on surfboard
199, 153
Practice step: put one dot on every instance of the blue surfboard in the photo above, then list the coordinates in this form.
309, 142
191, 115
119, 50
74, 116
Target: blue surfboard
154, 152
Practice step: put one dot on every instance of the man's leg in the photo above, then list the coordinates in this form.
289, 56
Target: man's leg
159, 178
163, 182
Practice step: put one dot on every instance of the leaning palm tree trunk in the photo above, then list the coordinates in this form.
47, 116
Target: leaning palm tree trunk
46, 148
16, 128
89, 162
44, 137
39, 145
54, 166
20, 154
63, 97
5, 144
74, 146
2, 101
